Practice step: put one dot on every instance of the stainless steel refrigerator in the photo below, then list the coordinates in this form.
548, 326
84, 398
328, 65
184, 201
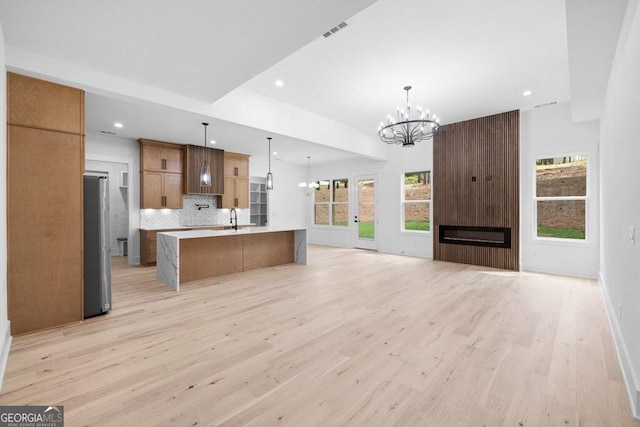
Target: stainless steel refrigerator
97, 251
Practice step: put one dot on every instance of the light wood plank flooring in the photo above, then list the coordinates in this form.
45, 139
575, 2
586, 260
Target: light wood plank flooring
354, 338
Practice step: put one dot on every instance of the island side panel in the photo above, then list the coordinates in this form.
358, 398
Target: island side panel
167, 255
268, 249
300, 242
209, 256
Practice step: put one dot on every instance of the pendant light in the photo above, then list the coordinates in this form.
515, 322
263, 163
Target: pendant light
308, 187
269, 174
205, 172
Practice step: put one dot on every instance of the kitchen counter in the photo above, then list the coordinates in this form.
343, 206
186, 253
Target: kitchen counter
183, 256
192, 227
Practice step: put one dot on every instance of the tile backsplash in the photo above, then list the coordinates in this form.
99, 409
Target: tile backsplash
189, 215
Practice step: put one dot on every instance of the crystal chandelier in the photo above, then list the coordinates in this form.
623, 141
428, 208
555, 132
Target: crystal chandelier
406, 131
308, 187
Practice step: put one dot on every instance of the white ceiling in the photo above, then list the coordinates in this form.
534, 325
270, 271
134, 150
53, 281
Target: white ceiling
464, 59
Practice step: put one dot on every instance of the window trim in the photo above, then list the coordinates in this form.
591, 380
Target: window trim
587, 241
403, 202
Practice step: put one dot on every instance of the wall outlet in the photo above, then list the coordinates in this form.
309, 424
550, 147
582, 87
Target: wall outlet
632, 234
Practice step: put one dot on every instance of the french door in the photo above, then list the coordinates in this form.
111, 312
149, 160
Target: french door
364, 208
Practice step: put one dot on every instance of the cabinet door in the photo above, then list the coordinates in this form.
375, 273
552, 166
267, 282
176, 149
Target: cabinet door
151, 190
172, 190
173, 160
41, 104
229, 166
242, 193
152, 158
44, 228
229, 196
243, 167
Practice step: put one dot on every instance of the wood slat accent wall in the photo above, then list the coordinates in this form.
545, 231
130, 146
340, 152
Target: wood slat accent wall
487, 149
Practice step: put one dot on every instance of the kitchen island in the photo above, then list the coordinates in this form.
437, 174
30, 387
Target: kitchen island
183, 256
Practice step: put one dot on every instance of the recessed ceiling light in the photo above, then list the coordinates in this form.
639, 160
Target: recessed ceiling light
213, 141
275, 153
526, 93
118, 124
279, 83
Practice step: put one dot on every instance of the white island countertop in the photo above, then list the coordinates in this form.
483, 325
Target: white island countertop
209, 253
195, 233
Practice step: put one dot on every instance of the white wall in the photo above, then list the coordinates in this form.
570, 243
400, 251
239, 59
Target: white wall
5, 330
550, 132
121, 150
287, 205
620, 162
388, 193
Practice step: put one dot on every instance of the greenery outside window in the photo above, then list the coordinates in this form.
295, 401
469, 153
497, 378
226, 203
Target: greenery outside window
416, 201
561, 197
331, 203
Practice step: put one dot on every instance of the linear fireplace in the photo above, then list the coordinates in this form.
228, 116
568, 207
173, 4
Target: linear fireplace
497, 237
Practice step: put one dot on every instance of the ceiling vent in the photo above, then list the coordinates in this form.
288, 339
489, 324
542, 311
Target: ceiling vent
106, 132
545, 105
335, 29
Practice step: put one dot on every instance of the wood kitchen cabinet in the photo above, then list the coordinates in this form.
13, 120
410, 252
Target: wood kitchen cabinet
161, 165
45, 164
194, 157
236, 181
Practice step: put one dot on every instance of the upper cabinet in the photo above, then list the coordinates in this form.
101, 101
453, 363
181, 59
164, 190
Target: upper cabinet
44, 105
236, 181
160, 175
195, 157
160, 156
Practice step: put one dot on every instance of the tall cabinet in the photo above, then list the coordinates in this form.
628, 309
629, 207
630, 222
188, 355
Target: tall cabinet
161, 165
45, 164
236, 181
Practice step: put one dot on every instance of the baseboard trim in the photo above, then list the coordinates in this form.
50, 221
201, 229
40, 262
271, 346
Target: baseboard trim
4, 352
630, 377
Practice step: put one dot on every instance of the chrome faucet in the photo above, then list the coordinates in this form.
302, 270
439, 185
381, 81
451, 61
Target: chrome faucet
233, 215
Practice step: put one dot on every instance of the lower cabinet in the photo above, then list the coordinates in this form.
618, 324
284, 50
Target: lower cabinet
149, 241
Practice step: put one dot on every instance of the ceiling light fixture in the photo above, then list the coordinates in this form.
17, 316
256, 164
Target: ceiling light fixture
279, 83
526, 93
405, 131
205, 172
118, 124
308, 187
269, 174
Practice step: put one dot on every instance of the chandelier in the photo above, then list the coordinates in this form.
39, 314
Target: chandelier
406, 131
205, 172
308, 187
269, 174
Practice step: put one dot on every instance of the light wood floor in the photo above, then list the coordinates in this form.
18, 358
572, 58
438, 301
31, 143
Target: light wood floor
354, 338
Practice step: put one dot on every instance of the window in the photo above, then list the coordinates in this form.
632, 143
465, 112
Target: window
561, 197
416, 201
331, 206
